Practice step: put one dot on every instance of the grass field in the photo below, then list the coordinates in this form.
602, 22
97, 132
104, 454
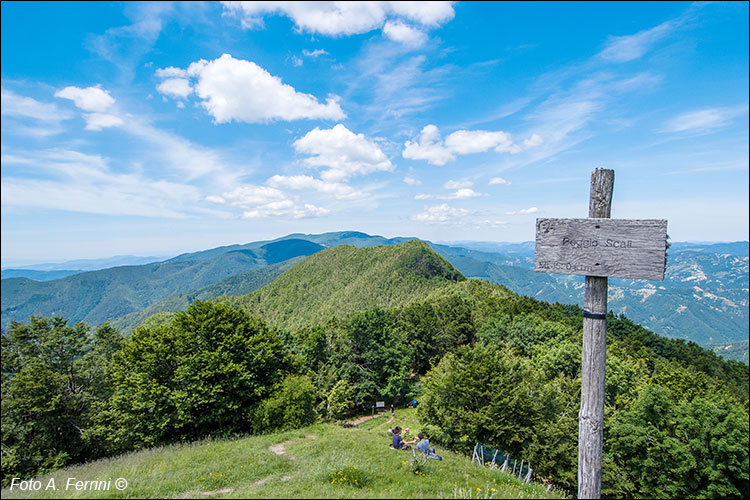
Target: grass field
319, 461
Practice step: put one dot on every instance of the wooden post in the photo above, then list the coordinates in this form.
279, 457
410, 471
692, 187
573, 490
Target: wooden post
594, 355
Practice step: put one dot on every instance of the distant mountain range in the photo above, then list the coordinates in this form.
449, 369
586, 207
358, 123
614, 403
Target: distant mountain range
703, 298
57, 270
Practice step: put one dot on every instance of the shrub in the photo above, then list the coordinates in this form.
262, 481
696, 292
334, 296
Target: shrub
291, 407
351, 475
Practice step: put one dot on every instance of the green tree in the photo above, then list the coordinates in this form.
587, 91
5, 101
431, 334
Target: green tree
290, 407
52, 381
481, 393
340, 400
203, 373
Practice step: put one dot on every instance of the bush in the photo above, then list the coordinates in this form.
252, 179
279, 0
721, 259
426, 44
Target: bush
340, 400
291, 407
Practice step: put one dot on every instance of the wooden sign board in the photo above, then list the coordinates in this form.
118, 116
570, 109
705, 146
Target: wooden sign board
615, 248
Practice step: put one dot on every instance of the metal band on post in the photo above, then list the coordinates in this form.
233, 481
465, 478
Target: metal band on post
591, 315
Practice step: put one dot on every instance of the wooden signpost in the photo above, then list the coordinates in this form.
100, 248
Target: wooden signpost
598, 248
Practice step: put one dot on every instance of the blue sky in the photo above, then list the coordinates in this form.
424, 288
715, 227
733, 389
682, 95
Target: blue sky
158, 128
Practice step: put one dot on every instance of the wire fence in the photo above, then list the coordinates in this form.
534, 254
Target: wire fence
496, 459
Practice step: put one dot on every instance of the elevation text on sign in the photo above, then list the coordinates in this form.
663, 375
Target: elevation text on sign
615, 248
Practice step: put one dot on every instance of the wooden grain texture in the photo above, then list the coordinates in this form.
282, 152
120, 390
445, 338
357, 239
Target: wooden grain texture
594, 356
615, 248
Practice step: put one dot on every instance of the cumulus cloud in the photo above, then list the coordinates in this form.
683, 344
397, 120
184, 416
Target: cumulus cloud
532, 142
175, 87
260, 202
98, 121
412, 181
404, 34
477, 141
341, 18
341, 152
442, 214
96, 100
338, 190
429, 146
499, 181
239, 90
171, 72
89, 99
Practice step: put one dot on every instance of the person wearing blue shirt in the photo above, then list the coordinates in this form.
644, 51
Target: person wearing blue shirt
398, 442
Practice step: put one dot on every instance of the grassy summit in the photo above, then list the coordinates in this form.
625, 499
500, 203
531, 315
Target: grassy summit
343, 279
292, 464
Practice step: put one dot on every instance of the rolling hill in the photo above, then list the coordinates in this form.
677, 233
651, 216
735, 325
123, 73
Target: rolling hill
344, 279
704, 297
98, 296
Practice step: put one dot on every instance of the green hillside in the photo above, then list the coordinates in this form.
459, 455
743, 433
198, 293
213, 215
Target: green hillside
238, 284
107, 294
343, 279
298, 468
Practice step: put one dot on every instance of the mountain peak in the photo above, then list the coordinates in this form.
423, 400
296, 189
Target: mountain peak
342, 279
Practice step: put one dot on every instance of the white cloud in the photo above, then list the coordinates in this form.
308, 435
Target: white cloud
98, 121
430, 147
180, 155
524, 211
532, 142
175, 87
344, 153
260, 202
404, 34
89, 99
314, 53
297, 61
477, 141
339, 190
702, 120
12, 104
240, 90
457, 184
171, 72
411, 181
341, 18
76, 182
442, 214
461, 194
629, 47
499, 181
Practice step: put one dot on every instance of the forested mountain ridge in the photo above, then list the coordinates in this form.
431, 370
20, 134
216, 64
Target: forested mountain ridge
343, 279
237, 284
704, 297
98, 296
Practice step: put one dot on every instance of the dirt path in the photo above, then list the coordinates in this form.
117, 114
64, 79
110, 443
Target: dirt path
362, 419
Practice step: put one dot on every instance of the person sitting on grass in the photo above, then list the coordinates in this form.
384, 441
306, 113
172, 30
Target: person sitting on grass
424, 447
398, 442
